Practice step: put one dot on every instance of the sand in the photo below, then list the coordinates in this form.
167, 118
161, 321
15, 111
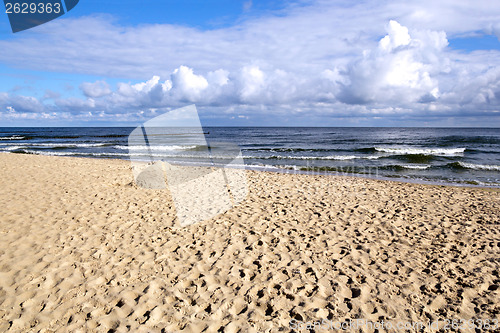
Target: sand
83, 249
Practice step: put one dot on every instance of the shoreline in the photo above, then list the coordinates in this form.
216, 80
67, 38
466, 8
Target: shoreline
416, 155
274, 169
380, 178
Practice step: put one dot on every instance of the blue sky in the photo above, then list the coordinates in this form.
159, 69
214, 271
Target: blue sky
256, 63
206, 14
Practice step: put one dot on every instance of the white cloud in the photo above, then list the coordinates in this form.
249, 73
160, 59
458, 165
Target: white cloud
96, 89
20, 103
219, 77
150, 85
187, 85
399, 70
252, 82
75, 104
145, 94
323, 57
397, 36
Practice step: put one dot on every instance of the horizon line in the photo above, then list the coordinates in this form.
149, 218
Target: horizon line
217, 126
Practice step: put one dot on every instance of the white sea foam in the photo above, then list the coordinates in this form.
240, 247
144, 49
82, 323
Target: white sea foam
205, 155
416, 167
14, 137
155, 148
68, 145
333, 157
286, 167
480, 166
10, 148
422, 151
61, 153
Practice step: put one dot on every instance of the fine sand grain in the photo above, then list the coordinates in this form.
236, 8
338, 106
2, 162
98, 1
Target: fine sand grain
84, 249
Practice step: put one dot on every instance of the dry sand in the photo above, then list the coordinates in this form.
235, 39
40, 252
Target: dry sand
83, 249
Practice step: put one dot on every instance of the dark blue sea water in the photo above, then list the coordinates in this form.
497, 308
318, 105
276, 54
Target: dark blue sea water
469, 156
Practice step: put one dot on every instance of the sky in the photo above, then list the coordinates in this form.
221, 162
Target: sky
257, 63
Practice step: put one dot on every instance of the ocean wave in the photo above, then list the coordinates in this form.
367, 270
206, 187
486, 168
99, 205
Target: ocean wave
251, 157
366, 150
156, 148
285, 150
13, 137
403, 167
272, 157
121, 155
289, 167
416, 167
10, 148
69, 145
277, 166
414, 158
422, 151
144, 155
53, 153
463, 165
332, 157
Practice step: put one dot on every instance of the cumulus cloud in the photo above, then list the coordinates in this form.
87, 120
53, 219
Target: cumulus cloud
187, 85
20, 103
249, 85
305, 35
397, 36
96, 89
145, 94
398, 70
252, 82
481, 91
322, 57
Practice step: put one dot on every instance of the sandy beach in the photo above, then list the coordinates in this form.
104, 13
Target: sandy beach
83, 249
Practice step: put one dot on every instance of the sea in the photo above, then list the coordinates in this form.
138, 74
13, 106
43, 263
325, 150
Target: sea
448, 156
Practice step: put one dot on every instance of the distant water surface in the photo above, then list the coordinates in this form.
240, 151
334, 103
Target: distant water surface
468, 156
